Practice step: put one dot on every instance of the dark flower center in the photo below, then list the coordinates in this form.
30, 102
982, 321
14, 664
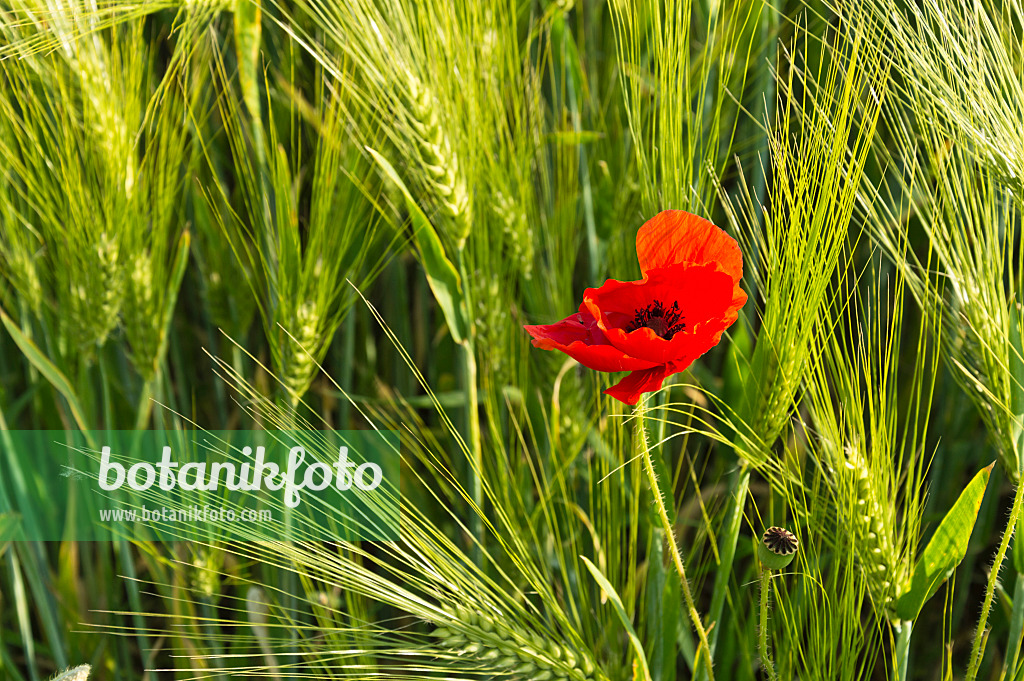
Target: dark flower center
780, 541
664, 321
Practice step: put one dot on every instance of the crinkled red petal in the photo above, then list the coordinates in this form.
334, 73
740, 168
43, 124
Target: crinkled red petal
675, 236
707, 303
630, 388
585, 343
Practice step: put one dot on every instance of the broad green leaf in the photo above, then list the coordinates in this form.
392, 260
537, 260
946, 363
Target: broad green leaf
1016, 362
442, 276
248, 33
572, 138
613, 598
10, 523
662, 608
946, 548
1016, 366
47, 368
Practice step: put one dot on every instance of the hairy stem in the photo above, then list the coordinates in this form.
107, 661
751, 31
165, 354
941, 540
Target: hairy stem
670, 535
978, 647
762, 629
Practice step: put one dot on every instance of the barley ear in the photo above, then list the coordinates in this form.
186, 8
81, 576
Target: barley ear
79, 673
875, 546
439, 164
521, 655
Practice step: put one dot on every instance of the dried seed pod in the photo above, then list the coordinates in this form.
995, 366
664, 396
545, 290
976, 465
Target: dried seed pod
777, 548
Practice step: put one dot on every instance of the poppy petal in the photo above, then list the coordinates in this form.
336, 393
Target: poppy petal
706, 301
675, 236
585, 343
629, 389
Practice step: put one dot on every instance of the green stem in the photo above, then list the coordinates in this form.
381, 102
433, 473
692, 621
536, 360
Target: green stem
472, 432
980, 636
670, 536
762, 630
901, 659
727, 550
346, 376
1016, 625
144, 408
741, 478
467, 350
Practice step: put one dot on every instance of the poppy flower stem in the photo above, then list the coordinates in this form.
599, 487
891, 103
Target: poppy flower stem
981, 634
762, 633
704, 653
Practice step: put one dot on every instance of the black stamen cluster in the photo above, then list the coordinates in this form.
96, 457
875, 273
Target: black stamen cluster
664, 321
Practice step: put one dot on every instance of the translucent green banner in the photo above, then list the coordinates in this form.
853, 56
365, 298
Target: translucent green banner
240, 485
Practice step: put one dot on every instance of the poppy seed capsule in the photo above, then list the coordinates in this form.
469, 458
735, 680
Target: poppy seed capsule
777, 548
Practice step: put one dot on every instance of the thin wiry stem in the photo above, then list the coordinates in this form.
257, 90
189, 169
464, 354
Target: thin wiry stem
677, 557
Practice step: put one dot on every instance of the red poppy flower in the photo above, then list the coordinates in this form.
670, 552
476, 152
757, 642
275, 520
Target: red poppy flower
657, 326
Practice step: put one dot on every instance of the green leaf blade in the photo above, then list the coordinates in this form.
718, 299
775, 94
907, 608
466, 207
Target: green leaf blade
620, 611
47, 368
947, 547
442, 277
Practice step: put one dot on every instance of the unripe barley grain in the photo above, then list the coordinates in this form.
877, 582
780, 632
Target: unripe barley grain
141, 312
97, 292
79, 673
438, 162
22, 272
297, 367
875, 546
518, 653
517, 235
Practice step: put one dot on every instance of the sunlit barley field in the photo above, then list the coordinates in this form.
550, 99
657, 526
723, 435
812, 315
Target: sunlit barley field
691, 329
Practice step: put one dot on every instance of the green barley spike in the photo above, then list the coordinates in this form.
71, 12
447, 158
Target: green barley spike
439, 163
79, 673
519, 654
875, 547
297, 367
